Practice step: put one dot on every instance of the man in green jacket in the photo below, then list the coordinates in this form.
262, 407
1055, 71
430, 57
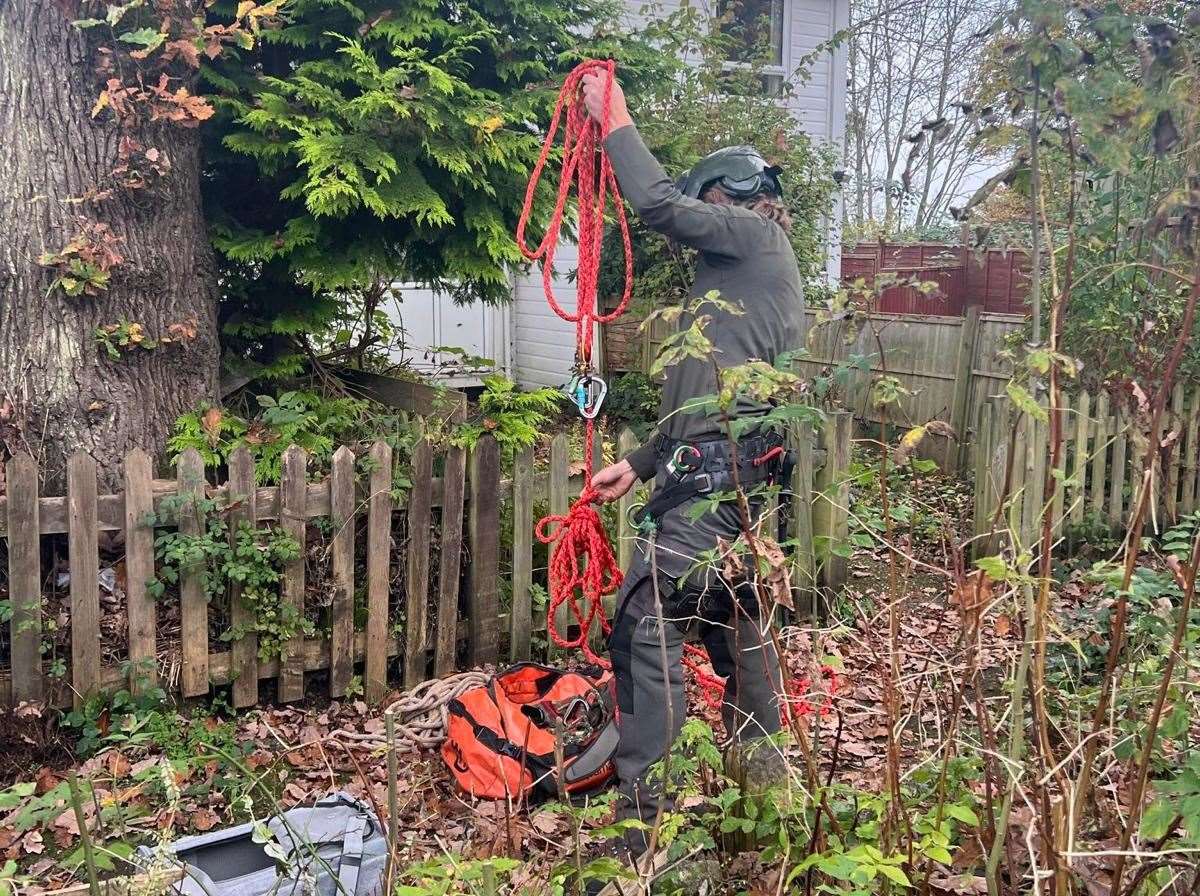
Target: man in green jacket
728, 208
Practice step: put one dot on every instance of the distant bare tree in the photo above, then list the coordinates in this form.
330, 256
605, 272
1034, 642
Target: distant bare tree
912, 125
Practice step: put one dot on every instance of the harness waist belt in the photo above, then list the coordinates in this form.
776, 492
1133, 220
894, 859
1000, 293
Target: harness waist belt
758, 461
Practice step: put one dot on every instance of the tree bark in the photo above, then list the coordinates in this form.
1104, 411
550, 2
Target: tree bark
65, 392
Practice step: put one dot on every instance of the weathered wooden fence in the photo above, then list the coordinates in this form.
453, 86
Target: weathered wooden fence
458, 517
1101, 469
949, 365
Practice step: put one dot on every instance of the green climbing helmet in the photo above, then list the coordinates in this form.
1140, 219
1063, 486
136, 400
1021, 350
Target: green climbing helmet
741, 171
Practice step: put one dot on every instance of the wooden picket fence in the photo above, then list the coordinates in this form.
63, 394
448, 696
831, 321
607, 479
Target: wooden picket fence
1103, 460
463, 604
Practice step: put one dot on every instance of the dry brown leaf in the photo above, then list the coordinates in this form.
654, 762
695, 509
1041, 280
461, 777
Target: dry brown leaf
117, 764
204, 819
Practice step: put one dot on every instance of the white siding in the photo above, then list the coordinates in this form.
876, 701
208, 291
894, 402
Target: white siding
432, 320
544, 343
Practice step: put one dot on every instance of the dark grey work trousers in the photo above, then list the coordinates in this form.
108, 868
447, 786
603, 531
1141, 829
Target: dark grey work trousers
737, 640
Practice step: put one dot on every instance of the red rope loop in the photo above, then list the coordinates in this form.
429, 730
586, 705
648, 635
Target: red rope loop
582, 570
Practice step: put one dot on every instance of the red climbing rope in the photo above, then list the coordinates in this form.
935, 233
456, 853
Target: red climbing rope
582, 566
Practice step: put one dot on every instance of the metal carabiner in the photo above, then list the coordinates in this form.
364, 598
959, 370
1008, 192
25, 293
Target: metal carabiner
588, 392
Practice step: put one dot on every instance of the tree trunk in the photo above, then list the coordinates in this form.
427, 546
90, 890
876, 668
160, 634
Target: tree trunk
59, 388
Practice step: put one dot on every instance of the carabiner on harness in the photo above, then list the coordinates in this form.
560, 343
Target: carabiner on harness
587, 391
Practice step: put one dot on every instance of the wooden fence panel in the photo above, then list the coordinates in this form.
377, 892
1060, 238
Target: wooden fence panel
1117, 469
1101, 445
450, 573
520, 627
84, 557
379, 552
84, 513
24, 580
293, 521
244, 652
140, 609
341, 609
193, 602
485, 551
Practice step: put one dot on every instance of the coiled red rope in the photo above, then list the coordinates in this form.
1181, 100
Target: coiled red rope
583, 568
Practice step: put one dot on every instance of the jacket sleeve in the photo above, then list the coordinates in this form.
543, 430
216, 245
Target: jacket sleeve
719, 229
643, 459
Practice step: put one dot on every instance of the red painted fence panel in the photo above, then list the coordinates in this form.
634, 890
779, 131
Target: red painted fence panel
995, 279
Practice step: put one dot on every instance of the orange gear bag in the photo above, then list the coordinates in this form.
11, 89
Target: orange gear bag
500, 737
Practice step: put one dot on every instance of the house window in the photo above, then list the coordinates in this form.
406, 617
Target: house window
755, 31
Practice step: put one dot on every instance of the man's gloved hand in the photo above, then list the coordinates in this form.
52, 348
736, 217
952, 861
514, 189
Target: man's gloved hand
593, 98
614, 480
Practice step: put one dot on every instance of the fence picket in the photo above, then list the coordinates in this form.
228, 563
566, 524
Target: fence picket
416, 600
450, 572
1059, 475
1116, 495
140, 608
559, 504
1171, 476
626, 543
379, 553
244, 650
24, 580
520, 626
193, 602
1191, 457
341, 608
485, 550
1100, 447
84, 557
292, 520
1083, 423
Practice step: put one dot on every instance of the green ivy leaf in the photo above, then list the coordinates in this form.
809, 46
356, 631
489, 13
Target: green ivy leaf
1025, 402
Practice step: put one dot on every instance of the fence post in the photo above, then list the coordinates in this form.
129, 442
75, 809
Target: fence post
293, 520
485, 551
520, 628
341, 608
139, 569
379, 555
83, 557
963, 381
420, 498
243, 655
193, 602
832, 496
802, 487
25, 579
454, 486
983, 449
